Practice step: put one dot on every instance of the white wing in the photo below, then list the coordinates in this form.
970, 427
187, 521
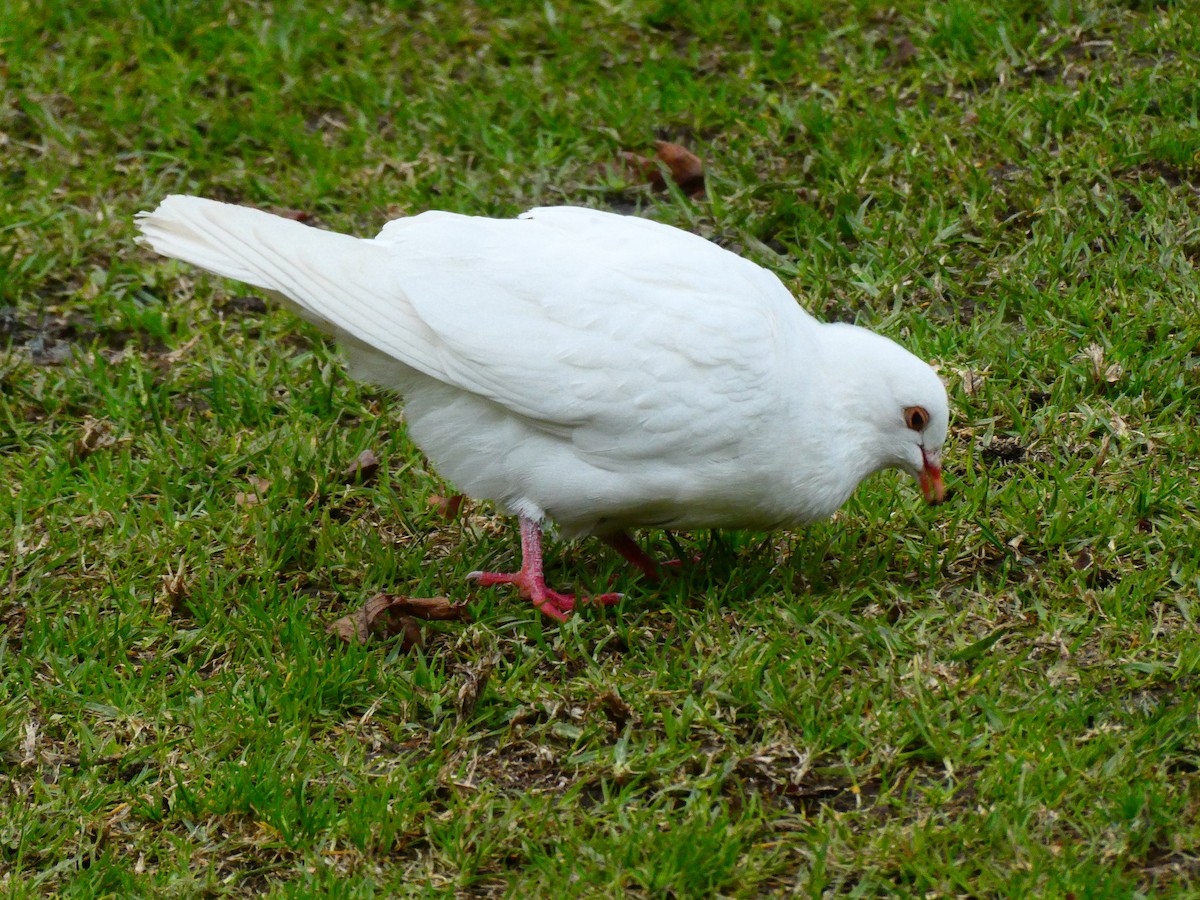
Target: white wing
631, 338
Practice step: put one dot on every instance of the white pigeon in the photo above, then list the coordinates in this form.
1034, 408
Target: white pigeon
605, 372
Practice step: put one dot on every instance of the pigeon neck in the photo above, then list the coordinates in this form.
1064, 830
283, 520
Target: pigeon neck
839, 430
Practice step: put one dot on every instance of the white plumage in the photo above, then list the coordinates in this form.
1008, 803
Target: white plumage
603, 371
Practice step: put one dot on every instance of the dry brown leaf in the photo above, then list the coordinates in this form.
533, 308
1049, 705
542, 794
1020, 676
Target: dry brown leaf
175, 591
246, 304
971, 380
449, 507
96, 435
617, 710
296, 215
640, 168
389, 615
904, 51
433, 608
686, 168
363, 470
472, 687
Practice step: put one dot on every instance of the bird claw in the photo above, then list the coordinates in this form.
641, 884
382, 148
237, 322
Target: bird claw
550, 602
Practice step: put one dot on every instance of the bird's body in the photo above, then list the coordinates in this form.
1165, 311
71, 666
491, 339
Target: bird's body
602, 371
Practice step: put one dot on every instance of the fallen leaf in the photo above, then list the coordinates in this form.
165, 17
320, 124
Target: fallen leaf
1004, 450
685, 168
449, 507
96, 435
252, 497
617, 710
244, 303
472, 687
1101, 454
389, 615
296, 215
175, 591
971, 380
639, 167
29, 745
180, 352
904, 51
1101, 372
363, 470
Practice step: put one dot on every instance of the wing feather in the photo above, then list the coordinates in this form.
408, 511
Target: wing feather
636, 338
632, 338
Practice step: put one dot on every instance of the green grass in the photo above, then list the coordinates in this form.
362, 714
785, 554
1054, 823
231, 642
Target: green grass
993, 698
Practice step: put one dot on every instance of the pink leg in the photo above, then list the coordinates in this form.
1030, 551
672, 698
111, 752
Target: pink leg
628, 548
651, 568
531, 580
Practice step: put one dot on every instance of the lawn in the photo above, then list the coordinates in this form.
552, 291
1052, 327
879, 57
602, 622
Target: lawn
996, 697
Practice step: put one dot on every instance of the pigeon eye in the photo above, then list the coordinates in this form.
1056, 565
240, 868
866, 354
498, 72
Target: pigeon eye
916, 418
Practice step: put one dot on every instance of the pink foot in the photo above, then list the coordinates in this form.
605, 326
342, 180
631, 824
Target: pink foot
651, 568
531, 583
554, 604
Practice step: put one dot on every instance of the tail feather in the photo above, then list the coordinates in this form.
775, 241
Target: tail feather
261, 249
233, 241
343, 284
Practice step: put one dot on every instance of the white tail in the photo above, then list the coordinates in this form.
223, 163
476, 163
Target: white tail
346, 285
236, 241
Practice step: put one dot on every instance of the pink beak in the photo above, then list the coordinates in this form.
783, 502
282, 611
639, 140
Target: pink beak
931, 478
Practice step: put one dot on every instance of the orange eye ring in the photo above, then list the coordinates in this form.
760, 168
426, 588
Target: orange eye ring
916, 417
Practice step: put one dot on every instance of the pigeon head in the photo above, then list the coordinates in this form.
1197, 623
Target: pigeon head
892, 407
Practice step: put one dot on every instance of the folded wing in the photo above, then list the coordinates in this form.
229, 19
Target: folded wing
628, 337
